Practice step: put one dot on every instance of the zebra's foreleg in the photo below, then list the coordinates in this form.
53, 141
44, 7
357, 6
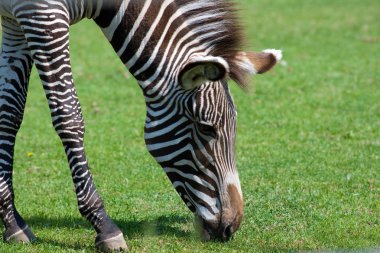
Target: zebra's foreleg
48, 40
15, 66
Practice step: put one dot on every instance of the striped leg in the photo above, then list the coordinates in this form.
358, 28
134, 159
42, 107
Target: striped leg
15, 66
47, 33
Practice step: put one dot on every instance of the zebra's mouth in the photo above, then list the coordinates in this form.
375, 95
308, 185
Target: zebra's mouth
213, 230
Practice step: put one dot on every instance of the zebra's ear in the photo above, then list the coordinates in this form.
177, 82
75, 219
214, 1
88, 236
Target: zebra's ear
200, 69
258, 62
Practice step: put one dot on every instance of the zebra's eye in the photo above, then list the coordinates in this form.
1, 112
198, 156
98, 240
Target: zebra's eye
207, 129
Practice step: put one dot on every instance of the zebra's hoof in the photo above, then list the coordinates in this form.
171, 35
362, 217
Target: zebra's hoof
113, 244
24, 235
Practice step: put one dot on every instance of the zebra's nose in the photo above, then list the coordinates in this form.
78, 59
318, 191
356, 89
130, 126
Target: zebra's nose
227, 233
225, 223
214, 231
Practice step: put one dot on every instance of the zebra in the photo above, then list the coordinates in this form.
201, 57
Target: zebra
182, 53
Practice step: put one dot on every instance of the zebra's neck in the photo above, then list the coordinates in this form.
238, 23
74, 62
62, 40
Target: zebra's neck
145, 35
155, 39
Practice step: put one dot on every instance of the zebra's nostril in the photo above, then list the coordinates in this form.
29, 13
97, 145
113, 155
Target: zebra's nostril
227, 233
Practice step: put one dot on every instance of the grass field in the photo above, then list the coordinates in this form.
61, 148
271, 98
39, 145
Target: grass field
308, 145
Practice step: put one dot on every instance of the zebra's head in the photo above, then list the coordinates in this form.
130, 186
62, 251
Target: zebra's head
192, 136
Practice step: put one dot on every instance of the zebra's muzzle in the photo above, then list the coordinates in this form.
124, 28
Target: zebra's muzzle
227, 222
213, 231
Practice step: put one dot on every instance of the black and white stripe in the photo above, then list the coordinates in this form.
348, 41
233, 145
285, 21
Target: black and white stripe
15, 68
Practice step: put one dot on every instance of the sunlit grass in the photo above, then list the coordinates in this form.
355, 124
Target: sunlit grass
308, 145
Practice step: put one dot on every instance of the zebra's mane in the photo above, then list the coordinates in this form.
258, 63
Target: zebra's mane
220, 18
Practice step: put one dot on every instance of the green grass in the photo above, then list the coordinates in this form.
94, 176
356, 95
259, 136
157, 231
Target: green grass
308, 144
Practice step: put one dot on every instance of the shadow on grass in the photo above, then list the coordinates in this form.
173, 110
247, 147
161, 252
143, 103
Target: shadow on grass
163, 225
